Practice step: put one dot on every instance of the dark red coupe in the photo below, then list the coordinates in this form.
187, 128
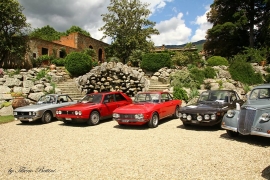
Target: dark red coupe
93, 107
148, 107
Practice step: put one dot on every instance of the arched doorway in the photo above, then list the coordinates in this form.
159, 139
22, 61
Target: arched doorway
100, 55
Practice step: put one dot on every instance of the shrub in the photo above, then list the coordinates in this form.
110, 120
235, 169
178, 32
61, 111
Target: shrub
78, 63
154, 61
197, 75
183, 79
244, 72
209, 72
180, 93
217, 61
193, 93
58, 62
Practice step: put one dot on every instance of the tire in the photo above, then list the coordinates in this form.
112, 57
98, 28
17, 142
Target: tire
94, 118
232, 133
153, 123
176, 113
46, 117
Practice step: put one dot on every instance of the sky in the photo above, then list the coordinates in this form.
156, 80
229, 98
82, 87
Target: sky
178, 21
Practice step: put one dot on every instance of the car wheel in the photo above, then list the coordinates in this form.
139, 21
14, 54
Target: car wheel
153, 121
232, 133
24, 122
94, 118
47, 117
176, 113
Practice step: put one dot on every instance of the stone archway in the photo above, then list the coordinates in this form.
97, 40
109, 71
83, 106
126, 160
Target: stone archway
100, 55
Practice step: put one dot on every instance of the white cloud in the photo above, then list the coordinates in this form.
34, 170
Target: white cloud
172, 32
203, 24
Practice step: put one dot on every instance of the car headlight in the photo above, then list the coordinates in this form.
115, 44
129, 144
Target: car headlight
139, 116
213, 116
15, 113
206, 117
58, 112
230, 113
32, 113
199, 118
115, 115
265, 117
189, 117
78, 113
184, 116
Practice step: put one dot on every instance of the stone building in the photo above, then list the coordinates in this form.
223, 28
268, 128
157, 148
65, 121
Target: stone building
73, 42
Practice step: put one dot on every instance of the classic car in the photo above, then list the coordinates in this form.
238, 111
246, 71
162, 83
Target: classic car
253, 117
93, 107
148, 107
209, 108
44, 109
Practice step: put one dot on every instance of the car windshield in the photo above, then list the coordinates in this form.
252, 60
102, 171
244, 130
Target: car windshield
147, 97
47, 99
261, 93
91, 98
216, 96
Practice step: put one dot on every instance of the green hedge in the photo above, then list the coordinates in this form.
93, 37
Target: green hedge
155, 61
78, 63
217, 61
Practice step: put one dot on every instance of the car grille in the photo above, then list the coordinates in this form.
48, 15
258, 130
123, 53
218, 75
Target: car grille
68, 112
127, 116
22, 113
246, 119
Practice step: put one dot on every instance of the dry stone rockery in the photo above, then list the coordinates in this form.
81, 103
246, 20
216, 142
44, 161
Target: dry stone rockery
113, 76
25, 82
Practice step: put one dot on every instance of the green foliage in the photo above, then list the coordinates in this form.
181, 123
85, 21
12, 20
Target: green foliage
58, 61
73, 29
255, 55
136, 57
47, 33
209, 72
180, 93
244, 72
95, 63
154, 61
217, 61
6, 104
180, 59
182, 79
41, 74
38, 61
246, 88
78, 63
113, 59
6, 119
127, 23
197, 75
13, 27
193, 93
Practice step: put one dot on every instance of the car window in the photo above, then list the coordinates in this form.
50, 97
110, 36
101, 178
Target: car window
165, 97
109, 98
147, 97
262, 93
119, 97
91, 98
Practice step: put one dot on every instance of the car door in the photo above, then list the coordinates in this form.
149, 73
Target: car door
168, 105
109, 105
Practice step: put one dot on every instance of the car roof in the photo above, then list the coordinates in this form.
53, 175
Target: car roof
262, 86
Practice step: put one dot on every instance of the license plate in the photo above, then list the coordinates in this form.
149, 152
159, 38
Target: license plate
195, 122
125, 120
69, 119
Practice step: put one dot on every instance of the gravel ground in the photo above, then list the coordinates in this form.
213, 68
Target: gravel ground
109, 151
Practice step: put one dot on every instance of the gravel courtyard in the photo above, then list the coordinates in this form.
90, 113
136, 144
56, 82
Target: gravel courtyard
109, 151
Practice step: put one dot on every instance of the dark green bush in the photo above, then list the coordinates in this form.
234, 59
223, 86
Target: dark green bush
209, 72
267, 78
180, 93
244, 72
217, 61
78, 63
197, 75
154, 61
58, 62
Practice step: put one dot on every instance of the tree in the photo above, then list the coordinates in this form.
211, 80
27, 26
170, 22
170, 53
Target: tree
236, 24
47, 33
128, 26
73, 29
13, 27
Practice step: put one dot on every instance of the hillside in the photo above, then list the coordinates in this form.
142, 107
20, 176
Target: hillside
198, 44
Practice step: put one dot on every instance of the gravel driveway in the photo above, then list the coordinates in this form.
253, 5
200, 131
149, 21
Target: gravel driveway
108, 151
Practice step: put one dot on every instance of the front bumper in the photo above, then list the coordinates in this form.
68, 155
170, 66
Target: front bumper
72, 119
131, 121
27, 118
201, 123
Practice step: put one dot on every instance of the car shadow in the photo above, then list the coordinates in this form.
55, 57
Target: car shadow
84, 124
199, 128
34, 123
141, 127
266, 172
249, 139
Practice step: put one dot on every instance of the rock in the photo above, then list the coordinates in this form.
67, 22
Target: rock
6, 111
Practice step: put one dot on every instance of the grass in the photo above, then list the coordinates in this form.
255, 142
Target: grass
6, 119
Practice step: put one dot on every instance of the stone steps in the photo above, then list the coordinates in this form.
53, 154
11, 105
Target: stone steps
156, 85
69, 87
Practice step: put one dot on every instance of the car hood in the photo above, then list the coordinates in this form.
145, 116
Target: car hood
37, 107
258, 104
134, 108
205, 106
78, 106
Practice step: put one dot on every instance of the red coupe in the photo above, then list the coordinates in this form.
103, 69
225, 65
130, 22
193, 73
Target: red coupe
93, 107
148, 107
